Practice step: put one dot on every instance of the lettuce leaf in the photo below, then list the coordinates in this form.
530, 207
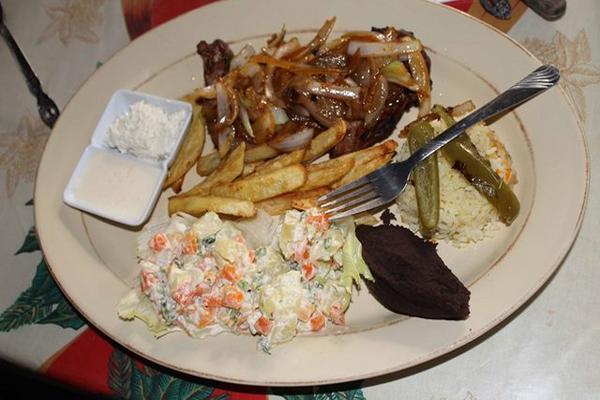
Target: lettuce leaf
354, 267
135, 305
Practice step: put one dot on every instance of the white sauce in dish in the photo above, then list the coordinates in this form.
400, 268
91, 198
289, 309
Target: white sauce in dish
116, 185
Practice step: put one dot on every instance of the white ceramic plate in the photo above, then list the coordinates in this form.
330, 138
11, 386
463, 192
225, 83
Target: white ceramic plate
94, 261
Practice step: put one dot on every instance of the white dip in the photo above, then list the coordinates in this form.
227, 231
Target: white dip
146, 131
119, 186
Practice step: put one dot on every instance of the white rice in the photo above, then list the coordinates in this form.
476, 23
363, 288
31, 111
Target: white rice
466, 216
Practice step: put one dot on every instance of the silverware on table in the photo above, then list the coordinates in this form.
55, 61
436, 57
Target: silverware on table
385, 184
46, 107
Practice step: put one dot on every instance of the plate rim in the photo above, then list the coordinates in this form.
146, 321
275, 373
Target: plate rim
448, 349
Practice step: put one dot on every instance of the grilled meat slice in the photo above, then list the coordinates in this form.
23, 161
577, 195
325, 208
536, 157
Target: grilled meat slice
217, 58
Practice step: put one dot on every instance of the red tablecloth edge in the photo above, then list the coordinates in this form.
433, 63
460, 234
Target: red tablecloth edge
85, 362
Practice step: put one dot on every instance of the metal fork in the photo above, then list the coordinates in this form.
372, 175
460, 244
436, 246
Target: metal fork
46, 107
385, 184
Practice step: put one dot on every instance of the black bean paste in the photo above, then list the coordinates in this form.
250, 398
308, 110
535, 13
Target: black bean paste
410, 277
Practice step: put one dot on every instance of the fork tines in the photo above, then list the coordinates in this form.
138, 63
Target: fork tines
353, 198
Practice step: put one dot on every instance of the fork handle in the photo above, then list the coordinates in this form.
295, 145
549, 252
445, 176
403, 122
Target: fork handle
540, 80
47, 109
33, 83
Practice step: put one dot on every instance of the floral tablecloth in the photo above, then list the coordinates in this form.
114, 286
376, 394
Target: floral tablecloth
549, 350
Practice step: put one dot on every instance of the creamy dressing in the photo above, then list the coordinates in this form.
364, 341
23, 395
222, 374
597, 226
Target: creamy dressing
115, 185
202, 276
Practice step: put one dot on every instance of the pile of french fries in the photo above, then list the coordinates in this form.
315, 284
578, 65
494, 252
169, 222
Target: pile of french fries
260, 177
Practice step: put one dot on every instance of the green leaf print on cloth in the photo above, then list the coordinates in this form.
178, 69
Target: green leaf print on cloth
129, 380
353, 394
42, 302
30, 244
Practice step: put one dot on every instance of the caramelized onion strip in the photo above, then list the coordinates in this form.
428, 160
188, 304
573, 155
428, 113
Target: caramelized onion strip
375, 49
293, 66
418, 69
318, 41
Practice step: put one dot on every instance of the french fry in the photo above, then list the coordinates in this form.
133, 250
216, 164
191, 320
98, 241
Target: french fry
231, 167
308, 199
282, 160
263, 186
198, 205
280, 204
310, 194
177, 185
208, 163
260, 153
249, 168
305, 204
190, 149
364, 155
325, 173
360, 170
275, 205
325, 140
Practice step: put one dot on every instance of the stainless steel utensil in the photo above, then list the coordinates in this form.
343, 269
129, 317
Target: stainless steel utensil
46, 107
385, 184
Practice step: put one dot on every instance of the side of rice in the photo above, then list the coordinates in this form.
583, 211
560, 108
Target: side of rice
465, 215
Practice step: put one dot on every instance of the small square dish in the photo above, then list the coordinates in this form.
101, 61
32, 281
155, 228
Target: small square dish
119, 175
116, 186
155, 117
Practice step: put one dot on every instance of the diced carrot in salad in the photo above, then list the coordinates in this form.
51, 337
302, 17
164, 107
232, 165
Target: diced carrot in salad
231, 273
159, 242
336, 313
232, 297
203, 277
301, 253
207, 318
308, 271
317, 322
263, 325
148, 281
306, 311
183, 295
200, 289
211, 301
190, 244
319, 221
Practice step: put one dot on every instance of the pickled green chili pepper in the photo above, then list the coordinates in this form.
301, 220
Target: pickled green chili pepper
425, 178
463, 156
